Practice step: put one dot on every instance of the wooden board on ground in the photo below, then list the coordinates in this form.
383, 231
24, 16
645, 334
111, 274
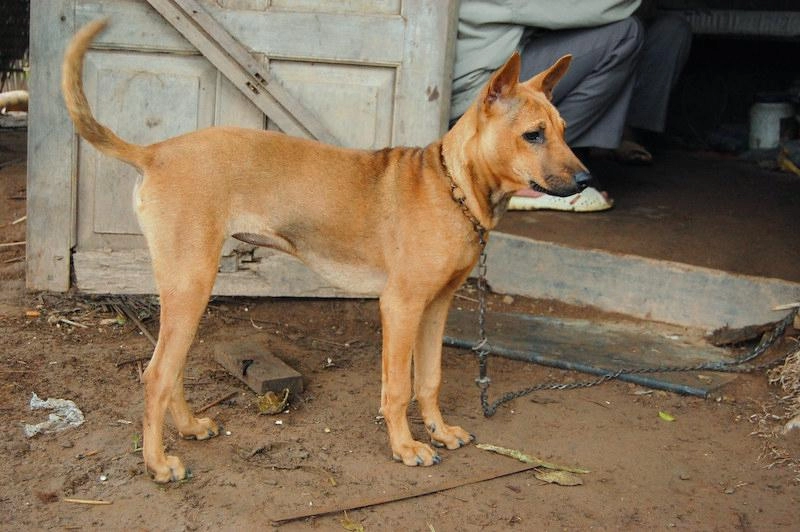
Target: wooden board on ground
595, 348
258, 369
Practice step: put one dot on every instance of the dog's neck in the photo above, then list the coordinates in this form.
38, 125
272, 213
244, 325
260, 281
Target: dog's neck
483, 203
460, 198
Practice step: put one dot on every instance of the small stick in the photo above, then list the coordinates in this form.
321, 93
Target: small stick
73, 323
87, 454
19, 220
87, 501
12, 244
215, 403
122, 309
132, 361
320, 340
787, 306
467, 298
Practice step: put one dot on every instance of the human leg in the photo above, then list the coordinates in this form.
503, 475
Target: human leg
594, 94
664, 53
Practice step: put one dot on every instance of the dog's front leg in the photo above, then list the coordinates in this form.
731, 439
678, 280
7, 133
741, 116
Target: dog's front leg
400, 316
428, 375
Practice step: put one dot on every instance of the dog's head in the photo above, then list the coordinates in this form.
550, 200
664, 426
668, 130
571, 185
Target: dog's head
513, 136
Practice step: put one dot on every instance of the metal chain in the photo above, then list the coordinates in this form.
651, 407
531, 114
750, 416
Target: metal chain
482, 349
731, 366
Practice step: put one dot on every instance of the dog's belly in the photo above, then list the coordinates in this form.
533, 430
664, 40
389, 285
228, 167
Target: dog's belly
358, 278
362, 279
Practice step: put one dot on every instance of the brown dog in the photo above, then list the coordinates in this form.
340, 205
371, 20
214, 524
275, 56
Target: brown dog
384, 222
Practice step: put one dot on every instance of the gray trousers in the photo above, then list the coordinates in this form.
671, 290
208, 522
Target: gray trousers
621, 74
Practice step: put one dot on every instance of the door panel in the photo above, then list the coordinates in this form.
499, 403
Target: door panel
353, 102
143, 100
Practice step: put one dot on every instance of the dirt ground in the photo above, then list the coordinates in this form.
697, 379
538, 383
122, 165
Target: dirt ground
706, 470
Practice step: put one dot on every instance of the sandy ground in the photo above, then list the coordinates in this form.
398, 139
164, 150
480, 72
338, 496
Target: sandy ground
706, 470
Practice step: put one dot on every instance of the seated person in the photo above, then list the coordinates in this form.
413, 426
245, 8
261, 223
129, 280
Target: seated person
626, 58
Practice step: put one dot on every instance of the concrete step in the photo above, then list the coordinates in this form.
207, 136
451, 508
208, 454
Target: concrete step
727, 306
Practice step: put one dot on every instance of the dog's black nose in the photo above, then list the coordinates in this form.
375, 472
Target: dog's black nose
584, 180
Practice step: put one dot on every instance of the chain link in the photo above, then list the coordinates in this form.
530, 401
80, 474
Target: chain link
483, 349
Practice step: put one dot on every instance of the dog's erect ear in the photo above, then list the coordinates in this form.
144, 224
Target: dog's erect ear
545, 81
504, 80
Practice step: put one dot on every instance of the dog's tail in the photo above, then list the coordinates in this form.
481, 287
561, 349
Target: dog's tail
87, 126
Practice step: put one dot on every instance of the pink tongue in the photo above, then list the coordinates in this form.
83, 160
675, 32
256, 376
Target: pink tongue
529, 193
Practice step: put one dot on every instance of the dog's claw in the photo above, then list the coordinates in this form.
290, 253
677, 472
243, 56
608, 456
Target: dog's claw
207, 429
418, 455
172, 471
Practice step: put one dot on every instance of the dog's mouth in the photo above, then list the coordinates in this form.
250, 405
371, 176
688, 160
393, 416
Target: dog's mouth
537, 187
556, 191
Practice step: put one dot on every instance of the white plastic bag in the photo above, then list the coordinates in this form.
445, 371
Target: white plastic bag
65, 414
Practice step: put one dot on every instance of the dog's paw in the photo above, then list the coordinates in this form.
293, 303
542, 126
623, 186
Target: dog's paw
171, 471
416, 454
202, 429
449, 436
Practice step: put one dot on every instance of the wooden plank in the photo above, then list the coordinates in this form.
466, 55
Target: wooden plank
344, 95
142, 28
422, 104
356, 7
597, 348
241, 68
362, 39
129, 272
260, 370
649, 289
51, 151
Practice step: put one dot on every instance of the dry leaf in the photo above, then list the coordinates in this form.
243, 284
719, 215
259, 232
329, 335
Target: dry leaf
562, 478
665, 416
349, 524
270, 403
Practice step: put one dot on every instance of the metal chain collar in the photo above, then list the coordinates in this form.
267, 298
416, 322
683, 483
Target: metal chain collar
482, 349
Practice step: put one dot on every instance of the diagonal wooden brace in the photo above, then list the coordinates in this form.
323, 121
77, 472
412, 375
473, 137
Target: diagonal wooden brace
236, 63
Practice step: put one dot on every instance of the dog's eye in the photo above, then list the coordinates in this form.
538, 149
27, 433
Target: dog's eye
534, 137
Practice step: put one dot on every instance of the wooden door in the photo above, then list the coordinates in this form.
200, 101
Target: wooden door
373, 73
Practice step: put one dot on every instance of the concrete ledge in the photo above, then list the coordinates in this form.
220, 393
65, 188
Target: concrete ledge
669, 292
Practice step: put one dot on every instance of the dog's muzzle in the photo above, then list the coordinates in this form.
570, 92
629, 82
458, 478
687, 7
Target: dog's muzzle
558, 187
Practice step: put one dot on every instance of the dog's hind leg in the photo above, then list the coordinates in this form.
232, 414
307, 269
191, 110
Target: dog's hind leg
400, 315
428, 373
185, 283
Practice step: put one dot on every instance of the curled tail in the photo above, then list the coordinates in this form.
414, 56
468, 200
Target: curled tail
87, 126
